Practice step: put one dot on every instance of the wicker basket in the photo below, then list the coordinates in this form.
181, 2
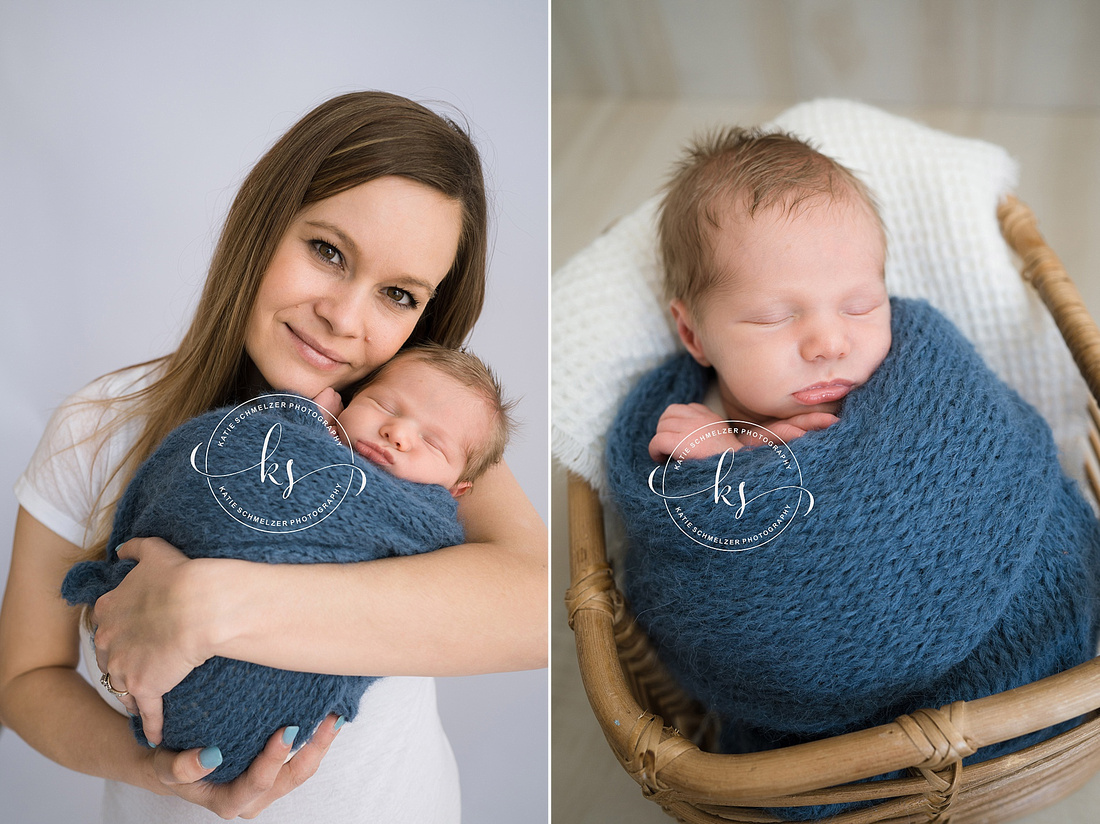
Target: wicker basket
655, 731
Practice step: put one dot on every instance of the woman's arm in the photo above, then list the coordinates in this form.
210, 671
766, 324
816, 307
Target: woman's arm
475, 608
42, 697
45, 700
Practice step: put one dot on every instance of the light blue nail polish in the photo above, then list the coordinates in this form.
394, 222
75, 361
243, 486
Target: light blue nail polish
289, 734
210, 758
339, 723
117, 548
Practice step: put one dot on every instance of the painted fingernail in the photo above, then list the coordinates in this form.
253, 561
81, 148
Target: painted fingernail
117, 548
289, 734
339, 723
210, 758
150, 745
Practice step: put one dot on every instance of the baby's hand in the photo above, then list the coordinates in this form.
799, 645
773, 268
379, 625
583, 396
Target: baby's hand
679, 421
331, 405
798, 425
331, 408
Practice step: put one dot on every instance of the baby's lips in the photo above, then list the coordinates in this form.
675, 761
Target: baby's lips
374, 454
823, 392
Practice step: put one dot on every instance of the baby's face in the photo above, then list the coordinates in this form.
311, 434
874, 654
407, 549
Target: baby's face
803, 317
417, 423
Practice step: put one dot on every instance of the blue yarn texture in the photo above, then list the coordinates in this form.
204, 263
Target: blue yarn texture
237, 705
946, 557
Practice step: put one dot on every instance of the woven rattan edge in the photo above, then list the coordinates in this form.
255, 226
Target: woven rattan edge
976, 780
734, 779
1043, 269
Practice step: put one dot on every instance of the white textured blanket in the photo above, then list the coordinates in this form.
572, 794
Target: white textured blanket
938, 194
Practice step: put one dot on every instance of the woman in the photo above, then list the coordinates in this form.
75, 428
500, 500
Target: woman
362, 230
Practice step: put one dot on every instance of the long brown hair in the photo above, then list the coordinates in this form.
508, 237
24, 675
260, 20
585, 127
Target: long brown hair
346, 141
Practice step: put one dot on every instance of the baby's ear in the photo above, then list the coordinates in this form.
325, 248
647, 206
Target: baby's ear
460, 488
688, 328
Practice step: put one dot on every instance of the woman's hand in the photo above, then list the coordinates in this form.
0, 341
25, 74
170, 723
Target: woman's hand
269, 777
150, 629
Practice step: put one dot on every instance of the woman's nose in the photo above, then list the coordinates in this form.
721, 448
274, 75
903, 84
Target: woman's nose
346, 310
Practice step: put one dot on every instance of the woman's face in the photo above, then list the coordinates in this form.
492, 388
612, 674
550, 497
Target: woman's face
348, 282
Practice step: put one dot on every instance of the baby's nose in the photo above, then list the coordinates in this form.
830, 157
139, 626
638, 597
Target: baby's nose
396, 434
827, 340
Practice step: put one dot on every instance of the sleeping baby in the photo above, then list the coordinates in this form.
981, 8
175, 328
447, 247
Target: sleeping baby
837, 513
424, 427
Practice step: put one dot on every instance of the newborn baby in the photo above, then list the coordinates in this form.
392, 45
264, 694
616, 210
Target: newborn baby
430, 415
423, 429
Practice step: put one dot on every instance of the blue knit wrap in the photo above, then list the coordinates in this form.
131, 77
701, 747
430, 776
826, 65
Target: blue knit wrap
946, 556
236, 705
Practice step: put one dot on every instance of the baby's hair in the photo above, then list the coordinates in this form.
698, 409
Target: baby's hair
470, 371
747, 168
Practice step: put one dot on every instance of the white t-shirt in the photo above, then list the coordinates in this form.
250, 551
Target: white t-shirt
392, 764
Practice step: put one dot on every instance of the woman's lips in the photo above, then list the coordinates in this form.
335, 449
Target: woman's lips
313, 353
823, 392
374, 454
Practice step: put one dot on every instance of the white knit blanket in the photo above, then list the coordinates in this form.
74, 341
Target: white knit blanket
938, 195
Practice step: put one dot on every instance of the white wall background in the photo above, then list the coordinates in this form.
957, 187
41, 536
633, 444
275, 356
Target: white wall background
124, 130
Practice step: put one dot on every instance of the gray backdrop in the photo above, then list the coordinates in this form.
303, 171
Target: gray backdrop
125, 128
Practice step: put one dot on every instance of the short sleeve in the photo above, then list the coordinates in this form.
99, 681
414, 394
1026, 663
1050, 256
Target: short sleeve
74, 461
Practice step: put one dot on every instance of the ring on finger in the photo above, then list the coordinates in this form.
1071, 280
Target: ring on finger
105, 682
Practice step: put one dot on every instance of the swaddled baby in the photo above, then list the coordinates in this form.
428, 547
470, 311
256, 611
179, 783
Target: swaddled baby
837, 514
380, 482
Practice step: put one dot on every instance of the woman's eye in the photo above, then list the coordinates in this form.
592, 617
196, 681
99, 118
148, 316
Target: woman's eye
327, 252
401, 297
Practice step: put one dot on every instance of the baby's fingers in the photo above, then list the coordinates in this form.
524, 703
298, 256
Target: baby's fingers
799, 425
331, 405
663, 444
813, 421
693, 414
